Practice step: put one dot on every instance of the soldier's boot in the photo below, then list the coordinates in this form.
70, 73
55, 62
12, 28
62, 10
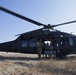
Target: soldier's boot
39, 56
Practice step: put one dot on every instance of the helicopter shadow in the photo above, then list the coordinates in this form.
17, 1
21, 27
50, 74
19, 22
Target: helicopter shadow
3, 58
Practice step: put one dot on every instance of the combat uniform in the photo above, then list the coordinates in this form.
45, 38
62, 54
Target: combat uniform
39, 48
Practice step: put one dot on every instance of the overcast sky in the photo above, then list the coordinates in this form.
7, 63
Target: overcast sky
44, 11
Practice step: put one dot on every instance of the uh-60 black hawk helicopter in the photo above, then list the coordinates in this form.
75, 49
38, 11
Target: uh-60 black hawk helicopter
63, 43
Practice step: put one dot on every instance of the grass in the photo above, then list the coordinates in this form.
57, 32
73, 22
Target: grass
22, 64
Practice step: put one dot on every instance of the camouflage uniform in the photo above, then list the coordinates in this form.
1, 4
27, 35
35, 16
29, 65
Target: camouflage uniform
39, 48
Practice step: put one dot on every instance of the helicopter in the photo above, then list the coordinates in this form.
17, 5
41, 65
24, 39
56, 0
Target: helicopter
63, 43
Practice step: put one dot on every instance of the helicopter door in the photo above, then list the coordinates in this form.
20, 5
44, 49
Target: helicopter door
71, 41
72, 45
32, 46
24, 46
75, 40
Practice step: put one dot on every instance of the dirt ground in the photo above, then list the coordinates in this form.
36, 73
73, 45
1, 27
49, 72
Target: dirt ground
26, 64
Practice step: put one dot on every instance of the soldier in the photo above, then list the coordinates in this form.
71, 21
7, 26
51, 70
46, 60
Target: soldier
39, 48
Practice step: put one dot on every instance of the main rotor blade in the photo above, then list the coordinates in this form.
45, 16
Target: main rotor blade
64, 23
20, 16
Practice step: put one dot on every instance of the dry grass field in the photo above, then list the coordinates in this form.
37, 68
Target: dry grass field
25, 64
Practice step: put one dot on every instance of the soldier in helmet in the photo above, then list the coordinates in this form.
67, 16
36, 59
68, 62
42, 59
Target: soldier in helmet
40, 46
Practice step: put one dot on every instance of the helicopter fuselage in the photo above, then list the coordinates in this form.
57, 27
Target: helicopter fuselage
26, 43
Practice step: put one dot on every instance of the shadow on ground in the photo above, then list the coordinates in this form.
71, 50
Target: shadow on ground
3, 58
